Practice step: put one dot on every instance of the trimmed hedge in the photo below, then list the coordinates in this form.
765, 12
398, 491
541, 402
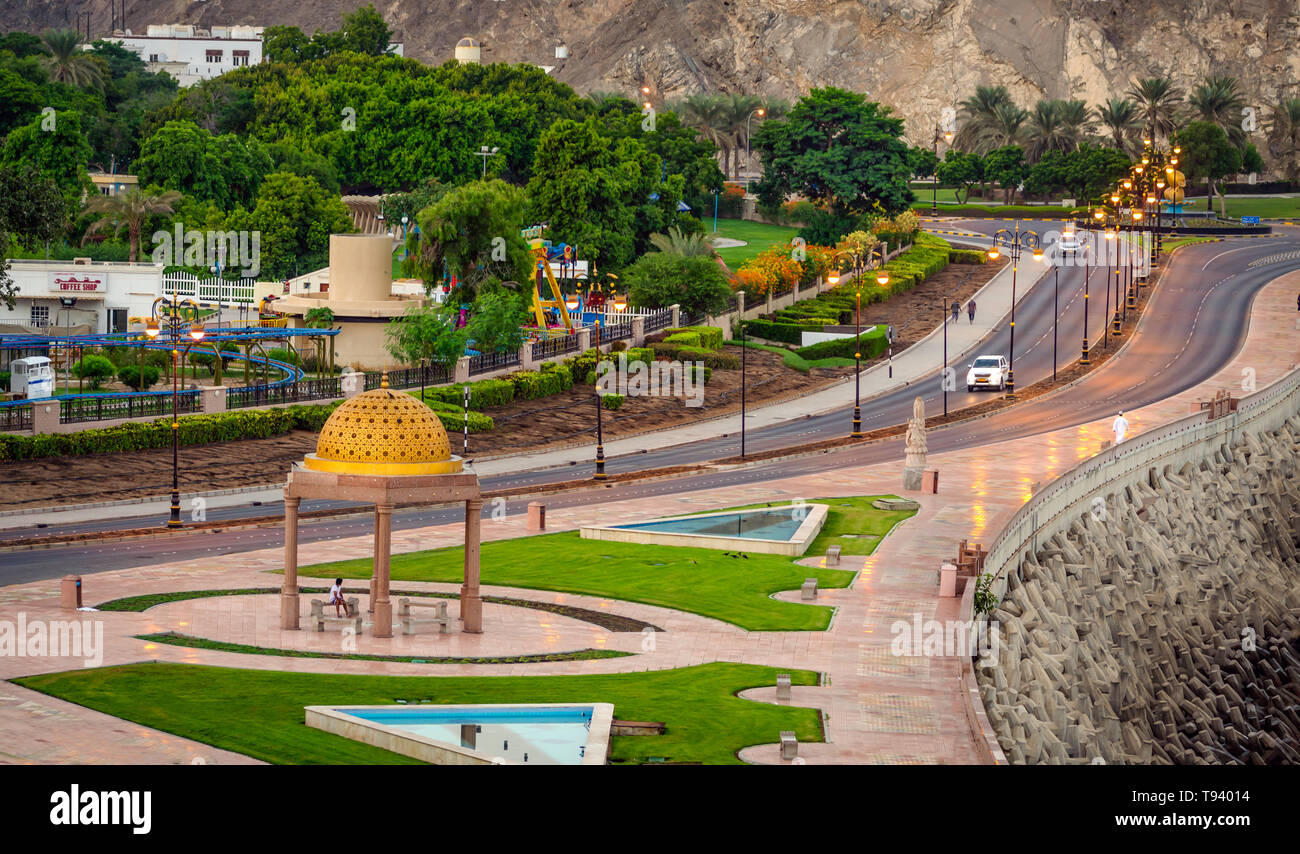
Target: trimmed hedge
710, 359
710, 337
966, 256
147, 435
683, 339
873, 343
482, 394
552, 379
611, 401
788, 333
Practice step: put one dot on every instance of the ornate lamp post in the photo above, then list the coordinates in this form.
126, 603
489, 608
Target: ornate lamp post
1016, 241
600, 438
760, 112
859, 256
934, 200
196, 335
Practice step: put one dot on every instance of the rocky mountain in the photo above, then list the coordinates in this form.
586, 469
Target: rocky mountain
917, 55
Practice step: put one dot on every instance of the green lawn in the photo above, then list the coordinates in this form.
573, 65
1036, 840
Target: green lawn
851, 523
699, 581
1269, 208
793, 360
757, 236
259, 713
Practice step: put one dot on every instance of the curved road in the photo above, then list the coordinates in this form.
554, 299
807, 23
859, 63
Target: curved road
1194, 324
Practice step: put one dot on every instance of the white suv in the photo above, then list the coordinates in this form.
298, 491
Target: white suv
987, 372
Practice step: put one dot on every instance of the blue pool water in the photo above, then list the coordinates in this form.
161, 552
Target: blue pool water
778, 523
531, 736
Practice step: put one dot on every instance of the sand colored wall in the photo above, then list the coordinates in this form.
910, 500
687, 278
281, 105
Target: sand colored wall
361, 267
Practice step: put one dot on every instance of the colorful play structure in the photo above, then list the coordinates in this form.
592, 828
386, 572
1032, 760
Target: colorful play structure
556, 313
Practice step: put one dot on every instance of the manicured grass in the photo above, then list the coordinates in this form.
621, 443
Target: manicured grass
849, 516
757, 236
1024, 211
192, 642
701, 581
1263, 206
1169, 245
260, 713
794, 360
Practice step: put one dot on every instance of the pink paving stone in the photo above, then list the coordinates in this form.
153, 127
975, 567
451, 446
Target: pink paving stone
881, 709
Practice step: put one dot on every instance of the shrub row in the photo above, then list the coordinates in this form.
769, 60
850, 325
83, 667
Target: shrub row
453, 418
966, 256
482, 394
611, 401
787, 332
873, 343
146, 435
710, 337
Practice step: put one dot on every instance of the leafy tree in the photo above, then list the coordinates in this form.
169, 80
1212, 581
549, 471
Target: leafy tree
1085, 173
22, 44
838, 148
473, 233
1056, 126
1157, 98
922, 161
495, 321
686, 245
1123, 120
364, 31
1219, 100
1007, 167
295, 217
129, 375
182, 156
59, 153
94, 369
1207, 153
659, 279
32, 210
286, 157
426, 332
979, 115
285, 44
1251, 161
963, 170
129, 210
20, 99
1284, 135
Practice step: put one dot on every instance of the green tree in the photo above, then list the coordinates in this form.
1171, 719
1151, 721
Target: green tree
922, 161
1207, 153
838, 148
686, 245
472, 233
32, 210
961, 169
364, 31
1122, 120
696, 283
94, 369
129, 210
495, 321
979, 115
426, 332
1284, 136
285, 44
67, 62
295, 217
1219, 100
1157, 99
57, 148
1056, 126
1006, 166
129, 375
184, 157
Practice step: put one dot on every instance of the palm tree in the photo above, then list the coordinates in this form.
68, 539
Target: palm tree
979, 113
707, 114
1056, 126
739, 108
1219, 101
684, 245
130, 210
1156, 98
1121, 117
67, 62
1284, 134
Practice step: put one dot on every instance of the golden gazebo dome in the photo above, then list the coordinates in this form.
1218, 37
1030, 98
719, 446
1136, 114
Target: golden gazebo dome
383, 432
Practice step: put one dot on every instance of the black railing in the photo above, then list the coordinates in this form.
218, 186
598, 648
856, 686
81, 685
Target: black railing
315, 389
485, 362
657, 320
555, 347
15, 418
428, 374
616, 332
106, 407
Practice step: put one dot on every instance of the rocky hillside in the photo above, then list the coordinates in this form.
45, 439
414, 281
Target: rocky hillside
917, 55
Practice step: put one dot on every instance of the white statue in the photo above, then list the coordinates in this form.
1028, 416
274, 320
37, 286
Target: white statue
915, 440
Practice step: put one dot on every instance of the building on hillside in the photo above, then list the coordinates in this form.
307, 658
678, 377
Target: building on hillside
190, 53
113, 184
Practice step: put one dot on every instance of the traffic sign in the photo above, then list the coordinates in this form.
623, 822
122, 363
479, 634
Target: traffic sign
1250, 220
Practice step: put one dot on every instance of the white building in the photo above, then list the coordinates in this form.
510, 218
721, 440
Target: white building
191, 53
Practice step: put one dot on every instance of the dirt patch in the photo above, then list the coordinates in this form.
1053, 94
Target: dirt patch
916, 313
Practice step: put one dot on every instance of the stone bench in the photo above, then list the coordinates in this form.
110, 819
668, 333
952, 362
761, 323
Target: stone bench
409, 621
809, 589
319, 617
833, 556
783, 686
789, 745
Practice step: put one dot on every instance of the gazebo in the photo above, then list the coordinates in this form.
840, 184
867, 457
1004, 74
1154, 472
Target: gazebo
384, 448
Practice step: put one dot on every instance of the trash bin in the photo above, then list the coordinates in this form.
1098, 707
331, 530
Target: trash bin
71, 595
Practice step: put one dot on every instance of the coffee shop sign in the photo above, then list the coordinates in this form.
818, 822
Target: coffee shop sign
72, 283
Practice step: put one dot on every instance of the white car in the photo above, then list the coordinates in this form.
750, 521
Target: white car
1068, 244
987, 372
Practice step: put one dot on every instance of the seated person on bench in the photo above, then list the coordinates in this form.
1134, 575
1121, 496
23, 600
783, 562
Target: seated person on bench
336, 598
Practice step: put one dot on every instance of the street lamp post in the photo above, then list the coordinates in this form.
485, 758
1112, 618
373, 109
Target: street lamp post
600, 439
485, 153
196, 335
1016, 241
1087, 275
934, 187
760, 112
860, 260
743, 350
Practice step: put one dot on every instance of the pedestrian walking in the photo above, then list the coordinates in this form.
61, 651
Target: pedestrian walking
970, 310
1120, 426
956, 310
1297, 302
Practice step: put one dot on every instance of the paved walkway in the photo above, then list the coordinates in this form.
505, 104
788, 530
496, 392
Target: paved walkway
880, 708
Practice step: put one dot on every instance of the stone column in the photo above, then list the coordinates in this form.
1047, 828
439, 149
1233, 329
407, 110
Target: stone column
374, 566
461, 372
638, 331
45, 417
471, 606
740, 304
212, 399
383, 625
526, 356
289, 587
584, 339
677, 315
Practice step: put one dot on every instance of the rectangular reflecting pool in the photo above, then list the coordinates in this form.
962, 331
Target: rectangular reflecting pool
543, 734
788, 530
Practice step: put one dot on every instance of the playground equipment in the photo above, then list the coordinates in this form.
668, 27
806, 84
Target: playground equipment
551, 313
31, 377
268, 316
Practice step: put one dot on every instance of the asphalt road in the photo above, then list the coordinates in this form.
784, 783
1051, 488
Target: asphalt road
1194, 325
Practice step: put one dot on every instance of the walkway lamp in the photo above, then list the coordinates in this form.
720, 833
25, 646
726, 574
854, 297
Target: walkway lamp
1016, 241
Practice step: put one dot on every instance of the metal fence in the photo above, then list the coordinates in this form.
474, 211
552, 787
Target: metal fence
616, 332
16, 418
485, 362
318, 389
429, 374
656, 320
555, 347
107, 406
